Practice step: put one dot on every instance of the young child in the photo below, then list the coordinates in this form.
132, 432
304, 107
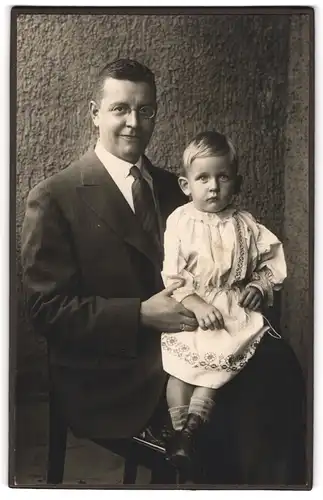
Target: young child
229, 265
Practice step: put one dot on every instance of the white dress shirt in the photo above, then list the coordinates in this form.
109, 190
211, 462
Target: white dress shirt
120, 172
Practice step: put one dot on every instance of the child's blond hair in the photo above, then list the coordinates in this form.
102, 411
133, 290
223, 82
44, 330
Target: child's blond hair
210, 143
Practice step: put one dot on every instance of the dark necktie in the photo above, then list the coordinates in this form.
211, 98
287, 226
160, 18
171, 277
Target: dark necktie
144, 205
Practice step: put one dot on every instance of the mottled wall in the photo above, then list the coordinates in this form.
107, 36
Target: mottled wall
212, 71
296, 307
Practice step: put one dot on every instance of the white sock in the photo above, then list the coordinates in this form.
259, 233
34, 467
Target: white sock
201, 407
178, 415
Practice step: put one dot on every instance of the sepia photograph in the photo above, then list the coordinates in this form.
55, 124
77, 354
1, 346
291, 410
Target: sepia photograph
162, 215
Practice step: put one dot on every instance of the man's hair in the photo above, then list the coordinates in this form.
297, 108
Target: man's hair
124, 69
210, 143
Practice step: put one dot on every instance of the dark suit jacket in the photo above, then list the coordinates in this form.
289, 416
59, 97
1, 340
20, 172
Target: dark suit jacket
87, 267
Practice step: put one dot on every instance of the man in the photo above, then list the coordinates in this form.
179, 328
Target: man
91, 255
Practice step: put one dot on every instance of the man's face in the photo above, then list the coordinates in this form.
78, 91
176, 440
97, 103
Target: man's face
123, 117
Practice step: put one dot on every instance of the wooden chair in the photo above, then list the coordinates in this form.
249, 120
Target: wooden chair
135, 451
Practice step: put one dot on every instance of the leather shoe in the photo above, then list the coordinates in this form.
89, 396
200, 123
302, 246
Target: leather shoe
180, 450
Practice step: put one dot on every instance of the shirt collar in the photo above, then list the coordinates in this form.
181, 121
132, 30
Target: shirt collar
111, 162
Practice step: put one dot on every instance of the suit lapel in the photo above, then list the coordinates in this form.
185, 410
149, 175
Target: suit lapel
102, 195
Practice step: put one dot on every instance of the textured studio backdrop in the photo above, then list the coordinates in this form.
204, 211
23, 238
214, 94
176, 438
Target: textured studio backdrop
245, 75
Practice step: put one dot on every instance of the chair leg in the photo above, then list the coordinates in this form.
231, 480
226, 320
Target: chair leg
163, 473
130, 470
181, 477
57, 444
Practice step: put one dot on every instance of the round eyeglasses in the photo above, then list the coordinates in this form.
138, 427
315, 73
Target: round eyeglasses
145, 112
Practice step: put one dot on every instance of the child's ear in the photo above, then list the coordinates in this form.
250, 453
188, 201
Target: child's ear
238, 184
183, 184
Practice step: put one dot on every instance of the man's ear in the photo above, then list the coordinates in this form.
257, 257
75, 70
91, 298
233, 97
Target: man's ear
238, 184
94, 112
183, 184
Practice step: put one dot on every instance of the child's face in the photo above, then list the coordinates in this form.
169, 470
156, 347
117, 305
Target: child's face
212, 182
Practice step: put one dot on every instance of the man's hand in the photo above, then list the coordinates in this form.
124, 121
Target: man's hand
208, 316
251, 298
165, 314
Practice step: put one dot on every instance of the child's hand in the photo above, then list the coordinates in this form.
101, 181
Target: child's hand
208, 317
251, 298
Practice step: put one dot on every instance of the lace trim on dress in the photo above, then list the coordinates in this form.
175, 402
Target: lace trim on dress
210, 360
264, 279
240, 261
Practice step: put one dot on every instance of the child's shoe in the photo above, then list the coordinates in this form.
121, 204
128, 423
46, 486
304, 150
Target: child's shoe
180, 451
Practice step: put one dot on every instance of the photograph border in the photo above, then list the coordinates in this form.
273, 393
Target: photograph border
55, 10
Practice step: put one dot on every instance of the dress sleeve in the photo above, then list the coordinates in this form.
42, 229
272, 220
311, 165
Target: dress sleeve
270, 270
175, 265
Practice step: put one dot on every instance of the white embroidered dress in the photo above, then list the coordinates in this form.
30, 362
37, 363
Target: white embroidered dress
216, 255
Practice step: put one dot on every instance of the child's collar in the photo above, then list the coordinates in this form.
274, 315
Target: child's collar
226, 213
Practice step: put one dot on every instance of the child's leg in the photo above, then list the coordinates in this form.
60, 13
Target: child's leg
202, 402
199, 402
178, 396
